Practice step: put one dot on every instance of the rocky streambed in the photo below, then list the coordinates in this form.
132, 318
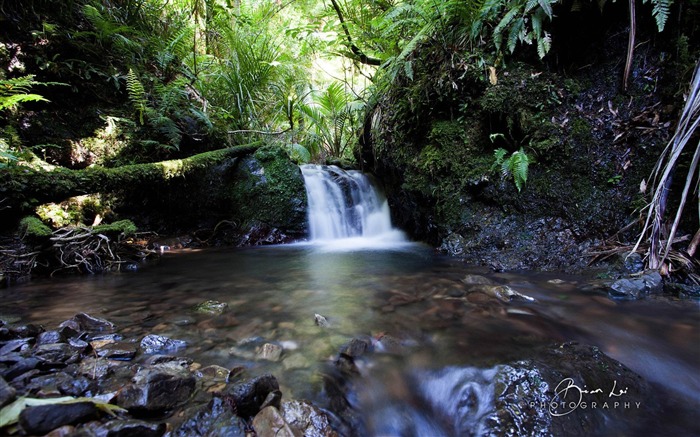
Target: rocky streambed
82, 378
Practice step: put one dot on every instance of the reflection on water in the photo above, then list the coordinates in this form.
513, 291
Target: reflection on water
418, 299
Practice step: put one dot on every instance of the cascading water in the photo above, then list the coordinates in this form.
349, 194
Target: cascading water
346, 205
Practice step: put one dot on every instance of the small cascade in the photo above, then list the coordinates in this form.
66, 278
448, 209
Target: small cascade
346, 205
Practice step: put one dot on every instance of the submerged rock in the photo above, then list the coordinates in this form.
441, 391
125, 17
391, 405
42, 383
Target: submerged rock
571, 389
157, 388
211, 307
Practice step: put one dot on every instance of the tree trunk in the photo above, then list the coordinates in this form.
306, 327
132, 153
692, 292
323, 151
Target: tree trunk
23, 188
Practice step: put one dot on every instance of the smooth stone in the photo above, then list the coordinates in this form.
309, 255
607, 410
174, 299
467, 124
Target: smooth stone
269, 352
157, 388
86, 322
211, 307
152, 343
306, 419
117, 351
269, 422
44, 418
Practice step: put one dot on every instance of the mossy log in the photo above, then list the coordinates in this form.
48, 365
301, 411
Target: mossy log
24, 187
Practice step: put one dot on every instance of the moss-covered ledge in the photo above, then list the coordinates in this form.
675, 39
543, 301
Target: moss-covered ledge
25, 187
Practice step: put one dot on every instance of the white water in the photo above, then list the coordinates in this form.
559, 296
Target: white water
347, 211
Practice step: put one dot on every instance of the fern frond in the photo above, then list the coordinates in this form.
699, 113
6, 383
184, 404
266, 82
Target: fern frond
660, 12
137, 94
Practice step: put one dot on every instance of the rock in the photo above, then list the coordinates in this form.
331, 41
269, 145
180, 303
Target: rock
69, 328
214, 372
21, 366
250, 396
44, 418
90, 323
504, 293
307, 420
96, 368
218, 418
476, 280
683, 290
269, 352
7, 393
296, 361
211, 307
116, 351
16, 345
632, 262
357, 347
157, 388
570, 389
28, 330
454, 244
637, 288
59, 384
151, 344
321, 321
131, 428
49, 337
56, 352
269, 422
160, 359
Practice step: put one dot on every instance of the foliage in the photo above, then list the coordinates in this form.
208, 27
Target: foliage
518, 21
16, 90
515, 166
655, 225
331, 117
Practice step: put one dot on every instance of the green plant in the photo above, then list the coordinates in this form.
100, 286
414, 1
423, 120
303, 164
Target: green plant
137, 93
515, 166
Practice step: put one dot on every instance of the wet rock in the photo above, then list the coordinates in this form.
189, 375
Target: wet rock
637, 288
7, 393
16, 345
117, 351
44, 418
151, 344
269, 352
160, 359
49, 337
69, 329
211, 307
157, 388
307, 420
632, 262
218, 418
296, 361
28, 330
454, 244
21, 366
321, 321
57, 352
357, 347
270, 422
250, 396
504, 293
131, 428
214, 372
96, 368
90, 323
683, 290
59, 384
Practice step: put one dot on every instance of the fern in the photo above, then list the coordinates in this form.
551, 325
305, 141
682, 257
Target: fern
15, 91
660, 11
137, 94
515, 166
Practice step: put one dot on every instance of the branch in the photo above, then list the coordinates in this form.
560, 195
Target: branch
358, 54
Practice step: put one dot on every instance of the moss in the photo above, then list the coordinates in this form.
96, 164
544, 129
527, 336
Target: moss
32, 227
126, 227
269, 188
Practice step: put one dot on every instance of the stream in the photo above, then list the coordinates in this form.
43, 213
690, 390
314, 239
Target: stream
273, 294
439, 342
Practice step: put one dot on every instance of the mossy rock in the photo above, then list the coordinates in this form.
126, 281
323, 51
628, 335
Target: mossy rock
33, 228
269, 188
125, 227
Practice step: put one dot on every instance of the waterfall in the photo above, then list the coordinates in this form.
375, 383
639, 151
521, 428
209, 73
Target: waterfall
346, 205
